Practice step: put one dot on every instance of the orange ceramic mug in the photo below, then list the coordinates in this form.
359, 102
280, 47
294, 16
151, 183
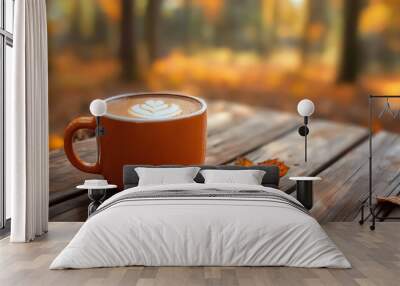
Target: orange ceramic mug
144, 128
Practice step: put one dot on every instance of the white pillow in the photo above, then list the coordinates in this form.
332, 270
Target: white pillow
248, 177
163, 176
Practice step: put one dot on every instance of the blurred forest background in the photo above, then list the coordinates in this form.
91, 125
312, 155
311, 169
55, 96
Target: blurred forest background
268, 53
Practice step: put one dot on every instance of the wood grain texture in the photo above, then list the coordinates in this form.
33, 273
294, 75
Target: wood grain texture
327, 142
261, 127
335, 153
345, 183
375, 258
74, 209
233, 129
64, 177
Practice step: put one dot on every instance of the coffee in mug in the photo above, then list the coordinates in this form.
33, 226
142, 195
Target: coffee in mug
148, 107
144, 128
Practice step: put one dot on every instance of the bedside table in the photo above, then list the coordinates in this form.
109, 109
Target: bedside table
96, 193
304, 190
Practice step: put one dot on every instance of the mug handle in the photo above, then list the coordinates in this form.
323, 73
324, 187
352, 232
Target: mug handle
73, 126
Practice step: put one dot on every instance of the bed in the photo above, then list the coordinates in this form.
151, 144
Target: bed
198, 224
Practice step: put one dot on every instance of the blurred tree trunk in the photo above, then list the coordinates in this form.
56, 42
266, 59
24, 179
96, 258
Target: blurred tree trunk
151, 25
315, 15
128, 48
308, 10
348, 65
271, 21
187, 39
75, 32
100, 26
228, 27
260, 27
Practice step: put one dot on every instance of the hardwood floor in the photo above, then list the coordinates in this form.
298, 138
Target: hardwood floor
375, 257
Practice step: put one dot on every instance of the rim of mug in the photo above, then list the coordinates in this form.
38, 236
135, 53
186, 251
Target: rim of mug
124, 118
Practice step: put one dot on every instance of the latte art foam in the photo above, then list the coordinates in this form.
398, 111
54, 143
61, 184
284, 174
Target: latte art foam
155, 109
152, 106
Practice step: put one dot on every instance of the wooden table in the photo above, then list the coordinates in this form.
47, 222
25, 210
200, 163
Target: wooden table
338, 152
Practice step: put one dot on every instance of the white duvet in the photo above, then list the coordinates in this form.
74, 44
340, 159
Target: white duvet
200, 231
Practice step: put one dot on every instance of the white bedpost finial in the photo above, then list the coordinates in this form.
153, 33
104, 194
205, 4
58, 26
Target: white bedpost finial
305, 107
98, 107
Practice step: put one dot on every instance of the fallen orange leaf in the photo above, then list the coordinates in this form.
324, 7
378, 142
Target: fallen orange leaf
243, 161
283, 169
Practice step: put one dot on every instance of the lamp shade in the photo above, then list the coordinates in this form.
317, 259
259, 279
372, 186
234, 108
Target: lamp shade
98, 107
305, 107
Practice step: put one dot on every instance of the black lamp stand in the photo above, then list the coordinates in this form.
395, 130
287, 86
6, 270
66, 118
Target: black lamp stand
99, 129
303, 131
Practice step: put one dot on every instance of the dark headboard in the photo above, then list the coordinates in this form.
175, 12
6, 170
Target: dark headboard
270, 179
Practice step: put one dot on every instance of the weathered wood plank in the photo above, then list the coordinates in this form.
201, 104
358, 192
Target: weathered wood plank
64, 177
261, 127
328, 141
223, 115
344, 184
233, 130
74, 209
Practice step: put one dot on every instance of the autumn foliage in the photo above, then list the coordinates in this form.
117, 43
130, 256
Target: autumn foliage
283, 168
267, 53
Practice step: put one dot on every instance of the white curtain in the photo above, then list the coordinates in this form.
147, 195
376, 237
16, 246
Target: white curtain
27, 124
